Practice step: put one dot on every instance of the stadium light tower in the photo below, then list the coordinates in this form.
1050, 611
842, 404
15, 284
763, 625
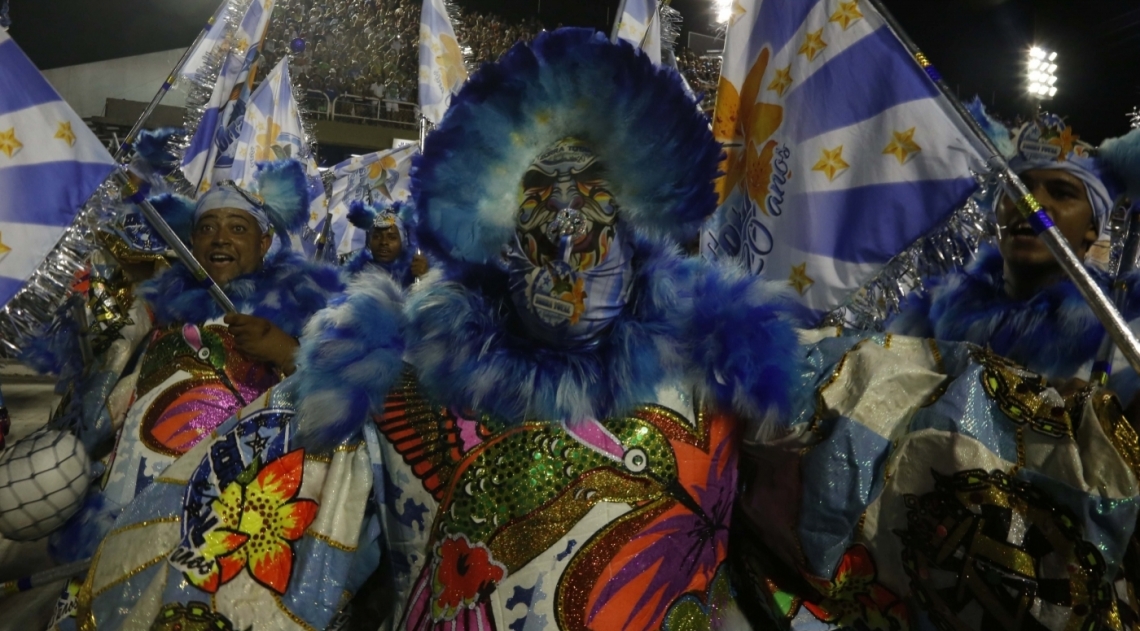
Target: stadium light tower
1042, 73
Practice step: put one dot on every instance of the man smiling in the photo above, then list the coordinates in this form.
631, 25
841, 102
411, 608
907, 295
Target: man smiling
202, 365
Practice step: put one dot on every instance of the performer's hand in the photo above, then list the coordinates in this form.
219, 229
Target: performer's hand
419, 265
261, 340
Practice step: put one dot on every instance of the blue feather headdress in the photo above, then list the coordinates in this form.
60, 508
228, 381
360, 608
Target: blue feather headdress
636, 117
282, 188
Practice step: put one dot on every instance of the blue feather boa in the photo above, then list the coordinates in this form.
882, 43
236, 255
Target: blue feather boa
287, 290
1053, 333
722, 334
350, 354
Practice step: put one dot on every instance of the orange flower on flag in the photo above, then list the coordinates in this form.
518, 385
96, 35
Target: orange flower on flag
261, 517
746, 127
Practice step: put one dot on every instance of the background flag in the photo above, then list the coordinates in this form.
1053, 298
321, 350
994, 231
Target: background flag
842, 152
639, 23
50, 163
197, 61
272, 130
441, 61
212, 147
381, 177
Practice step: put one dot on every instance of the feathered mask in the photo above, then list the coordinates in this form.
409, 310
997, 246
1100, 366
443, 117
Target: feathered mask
658, 149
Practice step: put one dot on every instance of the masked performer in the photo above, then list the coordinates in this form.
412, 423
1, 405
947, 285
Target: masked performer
559, 451
390, 246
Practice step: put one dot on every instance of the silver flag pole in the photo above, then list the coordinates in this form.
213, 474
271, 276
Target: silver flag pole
1030, 208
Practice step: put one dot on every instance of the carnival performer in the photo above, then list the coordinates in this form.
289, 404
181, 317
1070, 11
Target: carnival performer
200, 365
390, 245
1015, 298
956, 482
559, 451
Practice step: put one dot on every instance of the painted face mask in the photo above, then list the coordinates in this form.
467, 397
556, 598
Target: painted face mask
569, 265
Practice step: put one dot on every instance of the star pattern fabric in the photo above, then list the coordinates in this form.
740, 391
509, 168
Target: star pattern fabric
902, 145
831, 163
64, 133
782, 81
267, 138
813, 44
799, 280
9, 144
847, 14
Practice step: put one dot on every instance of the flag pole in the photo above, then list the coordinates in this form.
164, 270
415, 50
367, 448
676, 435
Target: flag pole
1102, 366
1029, 207
125, 145
137, 195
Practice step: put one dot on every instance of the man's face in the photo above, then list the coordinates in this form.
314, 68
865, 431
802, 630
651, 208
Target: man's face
384, 241
1065, 199
228, 243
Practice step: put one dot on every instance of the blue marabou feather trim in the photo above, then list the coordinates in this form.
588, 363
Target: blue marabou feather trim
351, 354
287, 290
1054, 333
463, 344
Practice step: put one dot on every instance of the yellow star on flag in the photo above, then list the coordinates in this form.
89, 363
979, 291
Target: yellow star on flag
782, 81
847, 14
266, 139
64, 133
799, 279
738, 12
3, 248
9, 144
831, 163
813, 43
902, 145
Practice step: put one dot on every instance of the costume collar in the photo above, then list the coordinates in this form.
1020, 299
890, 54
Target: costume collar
286, 290
1053, 333
688, 324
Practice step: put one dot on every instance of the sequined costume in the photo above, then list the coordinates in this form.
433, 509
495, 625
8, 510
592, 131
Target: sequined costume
551, 437
946, 483
931, 485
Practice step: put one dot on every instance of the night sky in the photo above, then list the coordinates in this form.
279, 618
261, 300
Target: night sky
978, 45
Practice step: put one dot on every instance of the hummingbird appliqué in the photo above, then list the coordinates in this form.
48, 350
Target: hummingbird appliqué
508, 492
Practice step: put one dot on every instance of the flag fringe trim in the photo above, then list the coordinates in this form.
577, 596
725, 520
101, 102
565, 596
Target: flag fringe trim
35, 305
951, 245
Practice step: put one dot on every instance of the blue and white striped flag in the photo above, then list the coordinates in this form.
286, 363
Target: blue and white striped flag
272, 130
441, 61
50, 163
381, 177
639, 23
215, 37
841, 150
213, 144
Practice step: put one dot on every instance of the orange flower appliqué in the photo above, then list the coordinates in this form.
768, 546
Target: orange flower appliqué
463, 573
856, 595
260, 520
